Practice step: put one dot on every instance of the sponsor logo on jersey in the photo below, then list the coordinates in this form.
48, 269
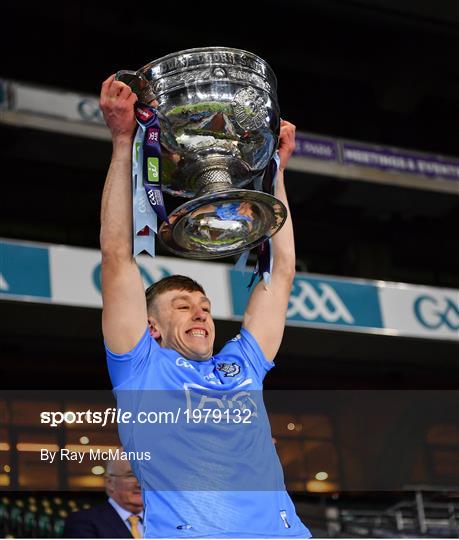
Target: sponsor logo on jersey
181, 362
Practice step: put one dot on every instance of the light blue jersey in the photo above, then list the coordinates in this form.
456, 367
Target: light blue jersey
205, 457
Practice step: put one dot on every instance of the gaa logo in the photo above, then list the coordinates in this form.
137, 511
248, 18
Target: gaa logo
154, 197
89, 110
435, 313
325, 304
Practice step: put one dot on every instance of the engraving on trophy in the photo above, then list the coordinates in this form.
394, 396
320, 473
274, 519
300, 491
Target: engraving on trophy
252, 78
249, 108
219, 72
186, 78
178, 62
247, 62
157, 86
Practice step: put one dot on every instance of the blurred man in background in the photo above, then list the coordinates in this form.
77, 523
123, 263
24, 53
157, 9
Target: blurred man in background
121, 516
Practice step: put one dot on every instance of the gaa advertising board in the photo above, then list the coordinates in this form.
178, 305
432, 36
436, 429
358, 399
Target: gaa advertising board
71, 276
382, 158
365, 306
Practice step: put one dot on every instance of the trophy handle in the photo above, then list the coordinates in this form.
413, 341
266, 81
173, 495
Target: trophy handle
137, 83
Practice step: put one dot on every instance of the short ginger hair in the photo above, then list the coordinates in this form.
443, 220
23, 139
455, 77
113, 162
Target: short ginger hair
171, 283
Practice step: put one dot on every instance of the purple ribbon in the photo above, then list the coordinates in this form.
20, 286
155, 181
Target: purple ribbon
147, 118
263, 267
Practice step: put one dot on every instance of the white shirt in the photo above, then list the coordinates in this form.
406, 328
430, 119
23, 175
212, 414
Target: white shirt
124, 514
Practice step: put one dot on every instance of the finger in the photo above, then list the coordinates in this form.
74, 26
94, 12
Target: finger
287, 143
125, 92
116, 87
287, 126
287, 136
288, 131
133, 98
104, 92
286, 123
108, 81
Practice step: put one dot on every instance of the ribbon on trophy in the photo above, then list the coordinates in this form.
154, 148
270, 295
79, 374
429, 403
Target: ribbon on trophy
148, 201
264, 265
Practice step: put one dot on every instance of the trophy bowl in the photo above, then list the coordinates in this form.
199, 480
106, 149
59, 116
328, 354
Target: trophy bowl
219, 120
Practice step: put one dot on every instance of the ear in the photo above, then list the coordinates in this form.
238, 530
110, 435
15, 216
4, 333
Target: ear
153, 326
109, 485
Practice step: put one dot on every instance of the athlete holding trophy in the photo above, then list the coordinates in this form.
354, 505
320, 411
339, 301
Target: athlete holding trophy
208, 128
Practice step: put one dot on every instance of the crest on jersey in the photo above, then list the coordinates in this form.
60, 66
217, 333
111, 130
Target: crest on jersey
230, 370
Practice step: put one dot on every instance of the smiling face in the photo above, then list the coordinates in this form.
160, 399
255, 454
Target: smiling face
181, 320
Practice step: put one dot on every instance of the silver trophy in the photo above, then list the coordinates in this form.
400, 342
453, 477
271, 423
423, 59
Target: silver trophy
219, 121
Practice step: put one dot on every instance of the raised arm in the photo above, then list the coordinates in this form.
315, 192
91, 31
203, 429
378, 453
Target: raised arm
265, 314
124, 317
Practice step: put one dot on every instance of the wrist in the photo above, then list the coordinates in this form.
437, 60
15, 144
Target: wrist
122, 140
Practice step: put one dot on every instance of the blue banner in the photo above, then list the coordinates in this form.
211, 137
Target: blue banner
320, 301
71, 276
24, 270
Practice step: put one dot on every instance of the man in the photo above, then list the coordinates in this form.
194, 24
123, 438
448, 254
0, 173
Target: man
165, 342
121, 516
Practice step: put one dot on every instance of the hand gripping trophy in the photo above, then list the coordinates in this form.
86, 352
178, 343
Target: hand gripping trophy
209, 124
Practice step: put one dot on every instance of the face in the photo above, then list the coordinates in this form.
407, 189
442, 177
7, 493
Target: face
181, 320
122, 486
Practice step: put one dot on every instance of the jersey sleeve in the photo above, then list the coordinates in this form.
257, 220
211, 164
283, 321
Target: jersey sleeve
246, 346
129, 365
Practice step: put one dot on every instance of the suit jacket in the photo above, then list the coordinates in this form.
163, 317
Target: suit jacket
101, 521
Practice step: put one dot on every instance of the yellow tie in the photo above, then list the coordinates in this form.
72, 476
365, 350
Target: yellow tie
134, 520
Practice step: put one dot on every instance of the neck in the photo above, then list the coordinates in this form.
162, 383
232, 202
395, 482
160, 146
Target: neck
133, 508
